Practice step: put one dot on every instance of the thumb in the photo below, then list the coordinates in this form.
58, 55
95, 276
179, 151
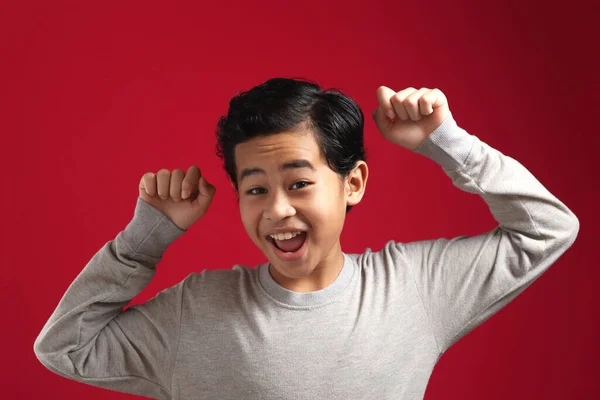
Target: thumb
381, 120
205, 188
206, 192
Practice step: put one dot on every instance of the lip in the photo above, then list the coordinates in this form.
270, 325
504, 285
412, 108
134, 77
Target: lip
286, 256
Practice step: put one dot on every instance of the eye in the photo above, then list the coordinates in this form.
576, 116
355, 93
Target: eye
256, 191
300, 185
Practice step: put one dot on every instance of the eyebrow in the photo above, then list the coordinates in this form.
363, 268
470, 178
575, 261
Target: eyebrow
289, 165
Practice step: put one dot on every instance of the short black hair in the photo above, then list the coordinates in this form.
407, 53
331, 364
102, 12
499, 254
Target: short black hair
291, 104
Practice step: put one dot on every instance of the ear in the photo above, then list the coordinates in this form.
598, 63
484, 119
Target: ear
356, 183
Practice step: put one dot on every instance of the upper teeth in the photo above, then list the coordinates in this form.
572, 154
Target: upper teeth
285, 235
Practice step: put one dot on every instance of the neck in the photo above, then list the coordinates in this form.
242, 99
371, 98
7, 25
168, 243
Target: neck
323, 275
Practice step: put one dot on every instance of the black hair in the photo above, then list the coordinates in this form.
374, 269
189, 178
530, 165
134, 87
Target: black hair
285, 104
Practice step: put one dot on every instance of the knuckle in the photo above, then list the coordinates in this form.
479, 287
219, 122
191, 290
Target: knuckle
148, 176
187, 186
382, 91
174, 186
397, 98
175, 194
145, 181
411, 101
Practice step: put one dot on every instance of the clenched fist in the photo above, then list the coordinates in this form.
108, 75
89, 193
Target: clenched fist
183, 197
409, 116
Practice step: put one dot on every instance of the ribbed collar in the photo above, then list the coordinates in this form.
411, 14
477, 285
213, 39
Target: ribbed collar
310, 299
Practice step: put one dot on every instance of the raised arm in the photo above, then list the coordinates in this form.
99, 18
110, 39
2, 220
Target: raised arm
89, 338
465, 280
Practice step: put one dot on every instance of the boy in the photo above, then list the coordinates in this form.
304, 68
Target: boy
313, 322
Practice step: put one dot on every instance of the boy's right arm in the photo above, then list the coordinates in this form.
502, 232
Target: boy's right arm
89, 338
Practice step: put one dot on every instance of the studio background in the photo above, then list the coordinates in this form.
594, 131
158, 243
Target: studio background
95, 94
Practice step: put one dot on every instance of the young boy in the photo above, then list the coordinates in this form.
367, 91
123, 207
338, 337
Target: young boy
313, 322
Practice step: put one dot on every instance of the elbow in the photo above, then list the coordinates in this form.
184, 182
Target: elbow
40, 349
48, 351
569, 228
572, 230
565, 233
38, 346
54, 359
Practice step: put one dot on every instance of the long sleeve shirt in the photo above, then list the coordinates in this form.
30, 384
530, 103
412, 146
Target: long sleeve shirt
375, 333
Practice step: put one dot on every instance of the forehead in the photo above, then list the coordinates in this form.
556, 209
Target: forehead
277, 148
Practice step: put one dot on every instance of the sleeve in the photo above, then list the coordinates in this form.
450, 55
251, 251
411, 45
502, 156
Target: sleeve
464, 280
90, 339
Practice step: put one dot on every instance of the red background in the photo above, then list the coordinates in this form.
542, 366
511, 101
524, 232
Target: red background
94, 94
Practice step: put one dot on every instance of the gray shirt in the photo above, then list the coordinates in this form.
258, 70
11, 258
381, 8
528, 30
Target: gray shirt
375, 333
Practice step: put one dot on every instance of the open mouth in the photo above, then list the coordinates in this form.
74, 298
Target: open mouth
289, 248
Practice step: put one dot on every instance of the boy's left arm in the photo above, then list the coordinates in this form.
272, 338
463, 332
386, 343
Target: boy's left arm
465, 280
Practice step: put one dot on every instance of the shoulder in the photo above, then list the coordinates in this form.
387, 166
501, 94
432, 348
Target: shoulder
223, 278
235, 284
385, 270
389, 255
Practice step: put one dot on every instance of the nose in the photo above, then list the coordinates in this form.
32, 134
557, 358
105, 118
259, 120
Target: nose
278, 207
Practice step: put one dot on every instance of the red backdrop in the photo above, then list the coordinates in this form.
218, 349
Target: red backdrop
94, 94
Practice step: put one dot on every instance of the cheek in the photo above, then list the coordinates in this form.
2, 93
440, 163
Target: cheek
327, 208
249, 219
332, 198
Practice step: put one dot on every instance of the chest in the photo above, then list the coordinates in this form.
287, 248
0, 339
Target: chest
357, 351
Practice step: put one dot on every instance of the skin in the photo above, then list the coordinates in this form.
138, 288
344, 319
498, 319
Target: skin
314, 201
405, 118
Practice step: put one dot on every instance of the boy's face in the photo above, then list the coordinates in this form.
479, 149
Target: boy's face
285, 184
